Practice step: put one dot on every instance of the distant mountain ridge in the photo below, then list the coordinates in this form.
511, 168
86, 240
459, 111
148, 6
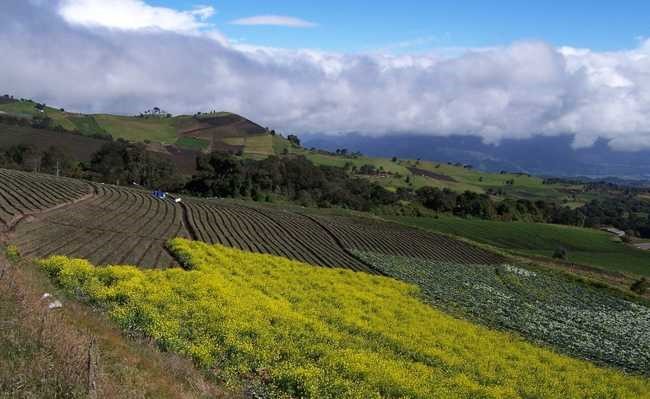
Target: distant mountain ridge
552, 156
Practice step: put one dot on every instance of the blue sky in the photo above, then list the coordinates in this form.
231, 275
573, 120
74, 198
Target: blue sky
552, 68
416, 25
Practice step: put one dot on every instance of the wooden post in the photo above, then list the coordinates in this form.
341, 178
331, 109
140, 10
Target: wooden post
92, 369
42, 328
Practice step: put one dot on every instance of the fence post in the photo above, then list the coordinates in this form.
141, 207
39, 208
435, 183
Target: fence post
42, 328
92, 369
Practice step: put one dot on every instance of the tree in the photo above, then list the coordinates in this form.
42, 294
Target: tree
368, 169
293, 139
219, 174
436, 199
55, 161
121, 161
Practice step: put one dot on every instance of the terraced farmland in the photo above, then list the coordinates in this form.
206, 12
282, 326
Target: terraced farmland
585, 246
367, 235
24, 193
120, 225
268, 231
116, 226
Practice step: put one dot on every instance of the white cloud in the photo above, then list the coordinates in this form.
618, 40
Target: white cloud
515, 91
134, 15
275, 20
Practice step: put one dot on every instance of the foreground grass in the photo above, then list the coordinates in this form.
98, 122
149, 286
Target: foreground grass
324, 333
59, 353
27, 368
585, 246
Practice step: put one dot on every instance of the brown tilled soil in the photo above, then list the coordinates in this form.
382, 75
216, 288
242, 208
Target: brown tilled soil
77, 146
432, 175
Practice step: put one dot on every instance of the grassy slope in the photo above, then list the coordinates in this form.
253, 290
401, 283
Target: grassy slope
136, 129
315, 332
80, 146
27, 109
528, 187
54, 364
192, 143
86, 125
585, 246
259, 146
22, 108
462, 179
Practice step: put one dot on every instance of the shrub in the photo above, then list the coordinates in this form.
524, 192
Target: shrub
641, 286
12, 253
561, 253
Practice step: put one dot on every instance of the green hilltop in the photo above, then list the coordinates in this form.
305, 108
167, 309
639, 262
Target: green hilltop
201, 132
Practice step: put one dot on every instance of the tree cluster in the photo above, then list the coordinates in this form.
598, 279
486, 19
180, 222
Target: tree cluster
123, 162
625, 212
52, 160
483, 206
294, 178
154, 112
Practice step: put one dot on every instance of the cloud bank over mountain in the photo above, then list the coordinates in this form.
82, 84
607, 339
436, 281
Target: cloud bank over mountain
73, 54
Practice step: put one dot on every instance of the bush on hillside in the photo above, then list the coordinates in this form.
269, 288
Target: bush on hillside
561, 253
641, 286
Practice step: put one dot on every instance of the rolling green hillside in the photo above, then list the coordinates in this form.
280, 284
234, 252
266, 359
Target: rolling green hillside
584, 246
81, 147
224, 131
202, 132
416, 174
138, 129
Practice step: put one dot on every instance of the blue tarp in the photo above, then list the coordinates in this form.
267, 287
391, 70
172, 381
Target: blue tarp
159, 194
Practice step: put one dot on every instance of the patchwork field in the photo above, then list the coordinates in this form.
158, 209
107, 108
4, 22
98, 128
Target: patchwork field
162, 130
24, 194
376, 329
117, 225
363, 234
584, 246
201, 132
548, 307
309, 332
416, 174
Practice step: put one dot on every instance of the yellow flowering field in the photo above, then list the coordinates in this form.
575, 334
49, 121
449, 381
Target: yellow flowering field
304, 331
